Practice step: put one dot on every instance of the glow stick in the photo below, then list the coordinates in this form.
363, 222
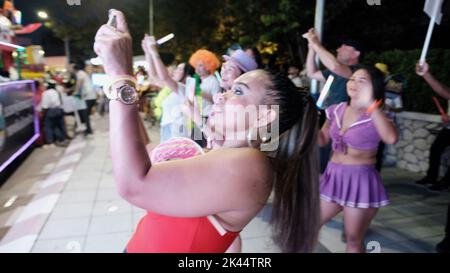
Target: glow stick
426, 45
190, 88
218, 77
324, 92
12, 45
165, 39
439, 107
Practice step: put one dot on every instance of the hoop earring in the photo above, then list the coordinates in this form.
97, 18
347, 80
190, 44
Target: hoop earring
265, 139
259, 141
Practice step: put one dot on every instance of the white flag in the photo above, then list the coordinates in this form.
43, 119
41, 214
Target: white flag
429, 9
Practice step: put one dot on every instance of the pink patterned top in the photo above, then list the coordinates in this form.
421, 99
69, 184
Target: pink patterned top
175, 149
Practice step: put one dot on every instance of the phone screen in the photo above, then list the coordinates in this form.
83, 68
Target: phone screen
112, 21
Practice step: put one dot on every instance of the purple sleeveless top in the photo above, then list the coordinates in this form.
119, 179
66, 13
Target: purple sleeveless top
361, 135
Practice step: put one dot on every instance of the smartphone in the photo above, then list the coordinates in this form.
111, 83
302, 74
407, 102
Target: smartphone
112, 21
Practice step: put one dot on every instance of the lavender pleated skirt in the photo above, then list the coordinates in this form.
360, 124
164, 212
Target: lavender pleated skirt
356, 186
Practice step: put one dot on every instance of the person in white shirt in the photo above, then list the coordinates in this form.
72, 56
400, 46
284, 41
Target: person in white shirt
84, 94
173, 121
205, 63
51, 105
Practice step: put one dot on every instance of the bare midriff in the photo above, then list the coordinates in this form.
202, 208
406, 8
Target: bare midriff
354, 157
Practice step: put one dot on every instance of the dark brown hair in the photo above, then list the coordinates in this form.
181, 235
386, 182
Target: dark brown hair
296, 207
376, 79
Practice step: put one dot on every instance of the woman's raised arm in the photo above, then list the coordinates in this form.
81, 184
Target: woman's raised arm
219, 181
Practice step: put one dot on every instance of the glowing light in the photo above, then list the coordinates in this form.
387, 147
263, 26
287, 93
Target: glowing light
42, 14
12, 45
10, 201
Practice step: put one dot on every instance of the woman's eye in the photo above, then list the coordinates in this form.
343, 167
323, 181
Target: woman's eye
238, 91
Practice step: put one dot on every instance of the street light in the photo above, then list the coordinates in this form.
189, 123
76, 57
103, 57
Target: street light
42, 14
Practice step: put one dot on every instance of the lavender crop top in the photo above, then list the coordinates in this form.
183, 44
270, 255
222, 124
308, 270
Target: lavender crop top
361, 135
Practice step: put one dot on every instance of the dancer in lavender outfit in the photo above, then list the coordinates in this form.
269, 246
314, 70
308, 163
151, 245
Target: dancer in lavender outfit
351, 183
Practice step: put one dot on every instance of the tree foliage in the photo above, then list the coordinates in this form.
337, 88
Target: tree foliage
417, 94
275, 27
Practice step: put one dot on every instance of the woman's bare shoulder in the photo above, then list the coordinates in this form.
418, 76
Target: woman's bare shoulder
248, 165
242, 157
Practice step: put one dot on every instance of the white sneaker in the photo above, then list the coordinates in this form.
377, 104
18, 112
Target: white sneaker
46, 146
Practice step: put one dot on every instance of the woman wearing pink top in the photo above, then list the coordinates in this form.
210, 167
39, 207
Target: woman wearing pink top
351, 183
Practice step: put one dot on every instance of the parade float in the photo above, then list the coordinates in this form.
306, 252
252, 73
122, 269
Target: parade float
19, 127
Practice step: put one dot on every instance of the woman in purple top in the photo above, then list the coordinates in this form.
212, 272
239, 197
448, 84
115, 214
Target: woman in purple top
351, 183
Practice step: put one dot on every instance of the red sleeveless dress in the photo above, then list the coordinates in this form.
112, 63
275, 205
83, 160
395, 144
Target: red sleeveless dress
166, 234
159, 233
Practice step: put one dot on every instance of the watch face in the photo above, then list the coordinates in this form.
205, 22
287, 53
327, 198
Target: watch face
128, 94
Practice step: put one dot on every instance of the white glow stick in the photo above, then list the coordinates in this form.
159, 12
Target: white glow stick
324, 92
218, 77
430, 32
165, 39
12, 45
190, 88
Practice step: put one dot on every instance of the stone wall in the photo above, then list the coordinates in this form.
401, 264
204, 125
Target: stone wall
417, 132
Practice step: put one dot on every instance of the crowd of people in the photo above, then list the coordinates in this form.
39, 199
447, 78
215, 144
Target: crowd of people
66, 93
211, 172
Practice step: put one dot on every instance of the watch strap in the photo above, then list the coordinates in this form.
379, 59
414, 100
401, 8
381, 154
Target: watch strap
110, 93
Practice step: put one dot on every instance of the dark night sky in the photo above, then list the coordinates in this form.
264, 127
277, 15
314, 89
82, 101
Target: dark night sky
29, 9
59, 9
97, 9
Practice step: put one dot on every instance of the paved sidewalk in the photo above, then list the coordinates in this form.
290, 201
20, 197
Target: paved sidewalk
66, 201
